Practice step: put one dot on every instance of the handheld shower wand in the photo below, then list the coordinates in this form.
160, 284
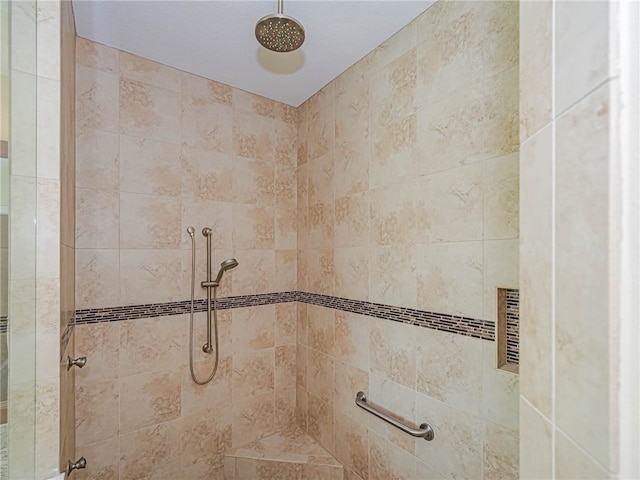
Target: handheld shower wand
208, 284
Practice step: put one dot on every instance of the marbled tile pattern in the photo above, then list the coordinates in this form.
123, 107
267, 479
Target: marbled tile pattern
160, 150
430, 114
416, 146
136, 398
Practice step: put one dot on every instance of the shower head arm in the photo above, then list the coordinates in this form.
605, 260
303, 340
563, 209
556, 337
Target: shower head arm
280, 7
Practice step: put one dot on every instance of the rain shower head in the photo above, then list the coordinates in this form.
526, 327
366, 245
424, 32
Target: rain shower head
224, 266
279, 32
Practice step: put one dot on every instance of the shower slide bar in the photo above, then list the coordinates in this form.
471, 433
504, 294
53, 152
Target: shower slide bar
425, 431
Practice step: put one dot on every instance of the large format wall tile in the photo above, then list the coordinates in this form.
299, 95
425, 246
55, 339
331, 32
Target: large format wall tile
97, 218
149, 399
206, 174
101, 344
536, 459
148, 345
253, 328
536, 73
450, 278
206, 127
456, 450
96, 56
208, 440
397, 399
201, 90
148, 71
451, 207
141, 271
582, 210
392, 275
500, 451
352, 444
97, 159
448, 58
573, 462
214, 395
152, 452
104, 462
148, 111
450, 369
393, 352
253, 418
286, 321
149, 166
97, 100
387, 460
97, 278
537, 271
582, 41
149, 221
96, 410
352, 339
253, 374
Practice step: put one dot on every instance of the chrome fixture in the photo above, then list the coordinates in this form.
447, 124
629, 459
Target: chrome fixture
425, 431
79, 465
279, 32
208, 284
76, 362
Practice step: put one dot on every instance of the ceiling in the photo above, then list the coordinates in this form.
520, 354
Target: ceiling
215, 39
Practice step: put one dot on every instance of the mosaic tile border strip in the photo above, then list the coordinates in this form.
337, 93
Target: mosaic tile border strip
471, 327
4, 324
132, 312
513, 326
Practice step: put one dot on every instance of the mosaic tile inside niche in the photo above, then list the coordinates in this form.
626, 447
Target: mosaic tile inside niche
471, 327
513, 326
508, 329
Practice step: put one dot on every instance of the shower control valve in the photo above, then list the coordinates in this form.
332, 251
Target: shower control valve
76, 362
79, 465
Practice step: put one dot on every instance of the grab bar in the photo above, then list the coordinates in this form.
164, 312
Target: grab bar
425, 431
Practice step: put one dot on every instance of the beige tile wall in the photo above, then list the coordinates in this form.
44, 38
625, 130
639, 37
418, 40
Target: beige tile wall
568, 129
159, 150
139, 412
367, 176
42, 257
408, 195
